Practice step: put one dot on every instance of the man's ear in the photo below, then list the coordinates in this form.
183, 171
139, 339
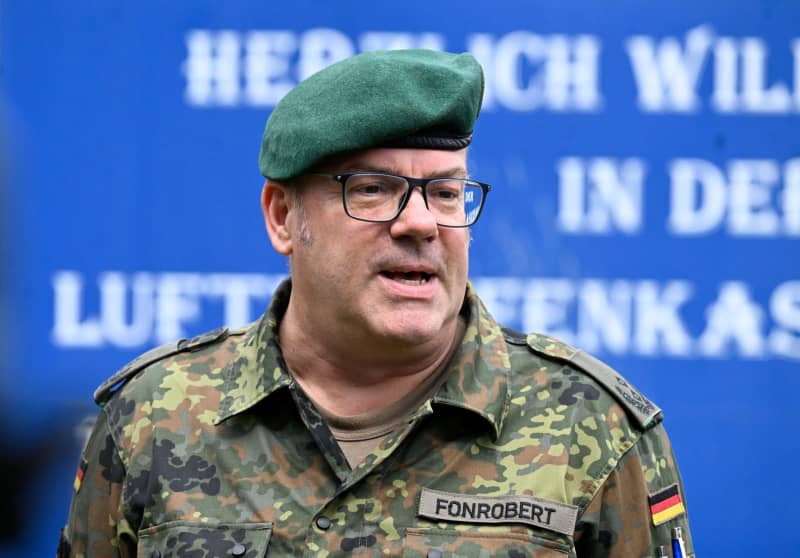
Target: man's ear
275, 205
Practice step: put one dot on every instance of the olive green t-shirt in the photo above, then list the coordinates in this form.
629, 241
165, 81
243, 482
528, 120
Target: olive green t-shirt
358, 435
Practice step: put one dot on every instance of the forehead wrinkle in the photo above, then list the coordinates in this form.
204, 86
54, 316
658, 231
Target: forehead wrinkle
452, 172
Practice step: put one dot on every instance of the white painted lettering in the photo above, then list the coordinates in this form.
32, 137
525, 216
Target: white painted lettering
604, 316
703, 197
121, 327
176, 303
503, 297
546, 307
735, 321
571, 73
388, 40
751, 212
790, 197
481, 46
667, 73
70, 328
659, 328
784, 339
515, 53
238, 290
526, 71
622, 316
571, 195
212, 68
725, 97
600, 196
698, 196
320, 48
267, 55
796, 72
756, 95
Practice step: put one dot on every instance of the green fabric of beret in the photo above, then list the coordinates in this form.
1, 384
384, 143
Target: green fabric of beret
402, 98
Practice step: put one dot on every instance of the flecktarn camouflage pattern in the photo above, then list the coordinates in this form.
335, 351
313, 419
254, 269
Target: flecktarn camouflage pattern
529, 448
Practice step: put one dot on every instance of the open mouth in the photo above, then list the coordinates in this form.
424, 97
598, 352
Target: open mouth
408, 277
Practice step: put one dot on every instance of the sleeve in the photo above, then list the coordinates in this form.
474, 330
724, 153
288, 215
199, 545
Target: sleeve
635, 509
97, 526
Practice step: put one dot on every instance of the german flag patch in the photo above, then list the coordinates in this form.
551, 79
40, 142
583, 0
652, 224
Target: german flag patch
666, 504
79, 474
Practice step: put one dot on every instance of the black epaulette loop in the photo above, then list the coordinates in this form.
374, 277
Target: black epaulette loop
104, 392
515, 337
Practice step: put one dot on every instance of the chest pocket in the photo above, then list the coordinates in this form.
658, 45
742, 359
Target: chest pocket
189, 539
450, 543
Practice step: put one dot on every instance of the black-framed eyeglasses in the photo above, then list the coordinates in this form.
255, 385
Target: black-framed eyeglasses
380, 198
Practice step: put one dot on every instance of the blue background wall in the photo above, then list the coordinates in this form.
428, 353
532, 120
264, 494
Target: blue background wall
646, 206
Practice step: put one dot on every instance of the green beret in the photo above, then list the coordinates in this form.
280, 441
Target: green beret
402, 98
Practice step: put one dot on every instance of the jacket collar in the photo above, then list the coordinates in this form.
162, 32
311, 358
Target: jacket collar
478, 379
258, 370
480, 369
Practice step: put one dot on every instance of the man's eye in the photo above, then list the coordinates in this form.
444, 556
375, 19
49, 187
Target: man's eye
372, 188
374, 185
445, 193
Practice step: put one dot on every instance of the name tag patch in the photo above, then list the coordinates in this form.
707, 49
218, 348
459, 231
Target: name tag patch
537, 512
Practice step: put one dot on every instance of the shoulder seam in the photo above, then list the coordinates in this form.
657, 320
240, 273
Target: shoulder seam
111, 429
607, 471
105, 390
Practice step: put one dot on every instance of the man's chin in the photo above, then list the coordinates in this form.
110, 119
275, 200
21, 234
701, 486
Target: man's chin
413, 329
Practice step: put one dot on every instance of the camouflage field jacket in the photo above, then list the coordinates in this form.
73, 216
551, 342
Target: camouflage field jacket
529, 448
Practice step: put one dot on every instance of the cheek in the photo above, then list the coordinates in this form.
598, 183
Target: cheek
458, 247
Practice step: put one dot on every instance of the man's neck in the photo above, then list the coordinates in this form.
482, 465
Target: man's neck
350, 377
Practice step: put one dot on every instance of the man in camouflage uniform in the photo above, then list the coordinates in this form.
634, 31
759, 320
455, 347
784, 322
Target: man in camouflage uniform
376, 409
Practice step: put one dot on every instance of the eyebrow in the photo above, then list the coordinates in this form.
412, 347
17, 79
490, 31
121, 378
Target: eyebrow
452, 172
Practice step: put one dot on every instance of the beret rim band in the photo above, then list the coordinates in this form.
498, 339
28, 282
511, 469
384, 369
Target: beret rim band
446, 143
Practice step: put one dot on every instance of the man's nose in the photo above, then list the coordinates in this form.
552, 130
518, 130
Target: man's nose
415, 219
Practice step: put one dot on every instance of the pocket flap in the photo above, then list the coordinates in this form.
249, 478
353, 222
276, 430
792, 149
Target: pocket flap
201, 540
448, 543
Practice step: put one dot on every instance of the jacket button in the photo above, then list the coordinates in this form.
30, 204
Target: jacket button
433, 553
239, 550
323, 523
155, 554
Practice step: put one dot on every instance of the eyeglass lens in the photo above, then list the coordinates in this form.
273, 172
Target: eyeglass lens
378, 197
